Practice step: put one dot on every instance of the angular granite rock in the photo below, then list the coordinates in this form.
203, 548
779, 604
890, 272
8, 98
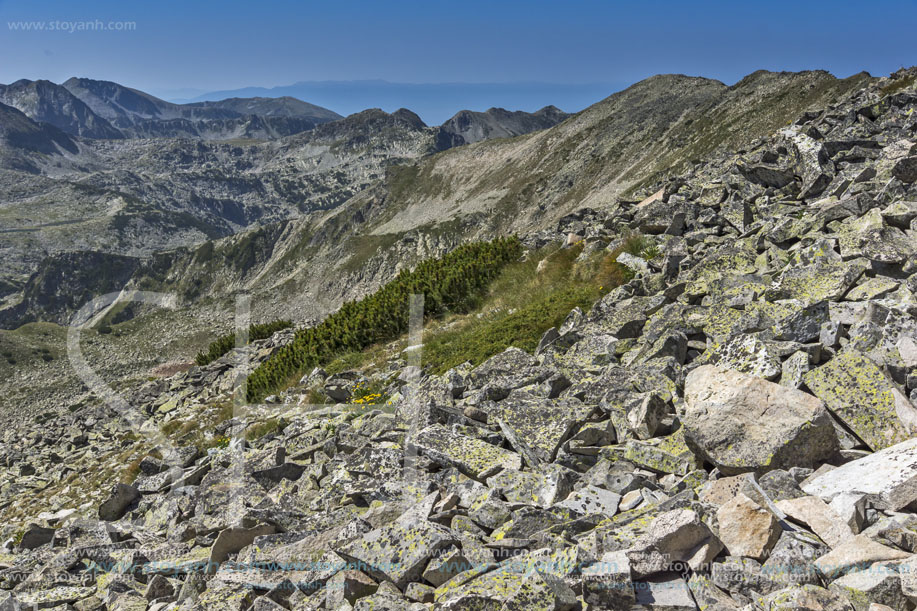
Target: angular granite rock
475, 458
856, 390
746, 528
888, 477
537, 428
397, 552
743, 423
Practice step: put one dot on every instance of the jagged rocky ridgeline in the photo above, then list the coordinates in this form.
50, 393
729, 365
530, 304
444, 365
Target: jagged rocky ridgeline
735, 428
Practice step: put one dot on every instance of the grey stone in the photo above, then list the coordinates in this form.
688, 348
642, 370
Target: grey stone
742, 423
118, 501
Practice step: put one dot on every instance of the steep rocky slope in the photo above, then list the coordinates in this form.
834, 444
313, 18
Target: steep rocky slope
658, 126
340, 251
732, 427
23, 141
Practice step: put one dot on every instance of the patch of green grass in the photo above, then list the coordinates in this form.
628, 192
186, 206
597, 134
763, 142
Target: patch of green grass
899, 85
527, 299
479, 339
455, 282
261, 429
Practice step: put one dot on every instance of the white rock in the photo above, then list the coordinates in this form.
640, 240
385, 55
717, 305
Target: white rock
850, 507
858, 552
888, 477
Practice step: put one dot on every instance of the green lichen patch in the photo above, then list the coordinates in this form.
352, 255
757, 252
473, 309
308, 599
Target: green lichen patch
856, 390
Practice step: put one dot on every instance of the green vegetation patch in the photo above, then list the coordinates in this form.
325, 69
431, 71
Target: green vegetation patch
227, 342
453, 283
530, 297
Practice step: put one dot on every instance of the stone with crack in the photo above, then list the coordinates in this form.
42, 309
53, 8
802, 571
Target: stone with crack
536, 428
818, 516
855, 554
674, 538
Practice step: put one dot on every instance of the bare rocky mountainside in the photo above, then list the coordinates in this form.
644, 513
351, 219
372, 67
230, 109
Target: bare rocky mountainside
689, 381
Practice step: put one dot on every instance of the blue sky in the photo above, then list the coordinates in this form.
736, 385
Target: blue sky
181, 47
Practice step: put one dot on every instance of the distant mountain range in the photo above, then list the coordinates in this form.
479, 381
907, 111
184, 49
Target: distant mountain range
103, 110
106, 110
434, 102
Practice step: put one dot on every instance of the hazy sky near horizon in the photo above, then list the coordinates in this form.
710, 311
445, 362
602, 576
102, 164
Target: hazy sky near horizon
204, 46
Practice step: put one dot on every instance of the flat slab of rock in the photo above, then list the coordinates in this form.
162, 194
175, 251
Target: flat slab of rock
888, 477
742, 423
54, 597
856, 390
592, 499
855, 553
826, 280
475, 458
666, 591
816, 514
537, 428
511, 586
397, 552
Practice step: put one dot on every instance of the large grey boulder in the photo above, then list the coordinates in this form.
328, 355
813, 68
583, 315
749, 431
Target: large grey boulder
536, 428
742, 423
398, 552
34, 536
473, 457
